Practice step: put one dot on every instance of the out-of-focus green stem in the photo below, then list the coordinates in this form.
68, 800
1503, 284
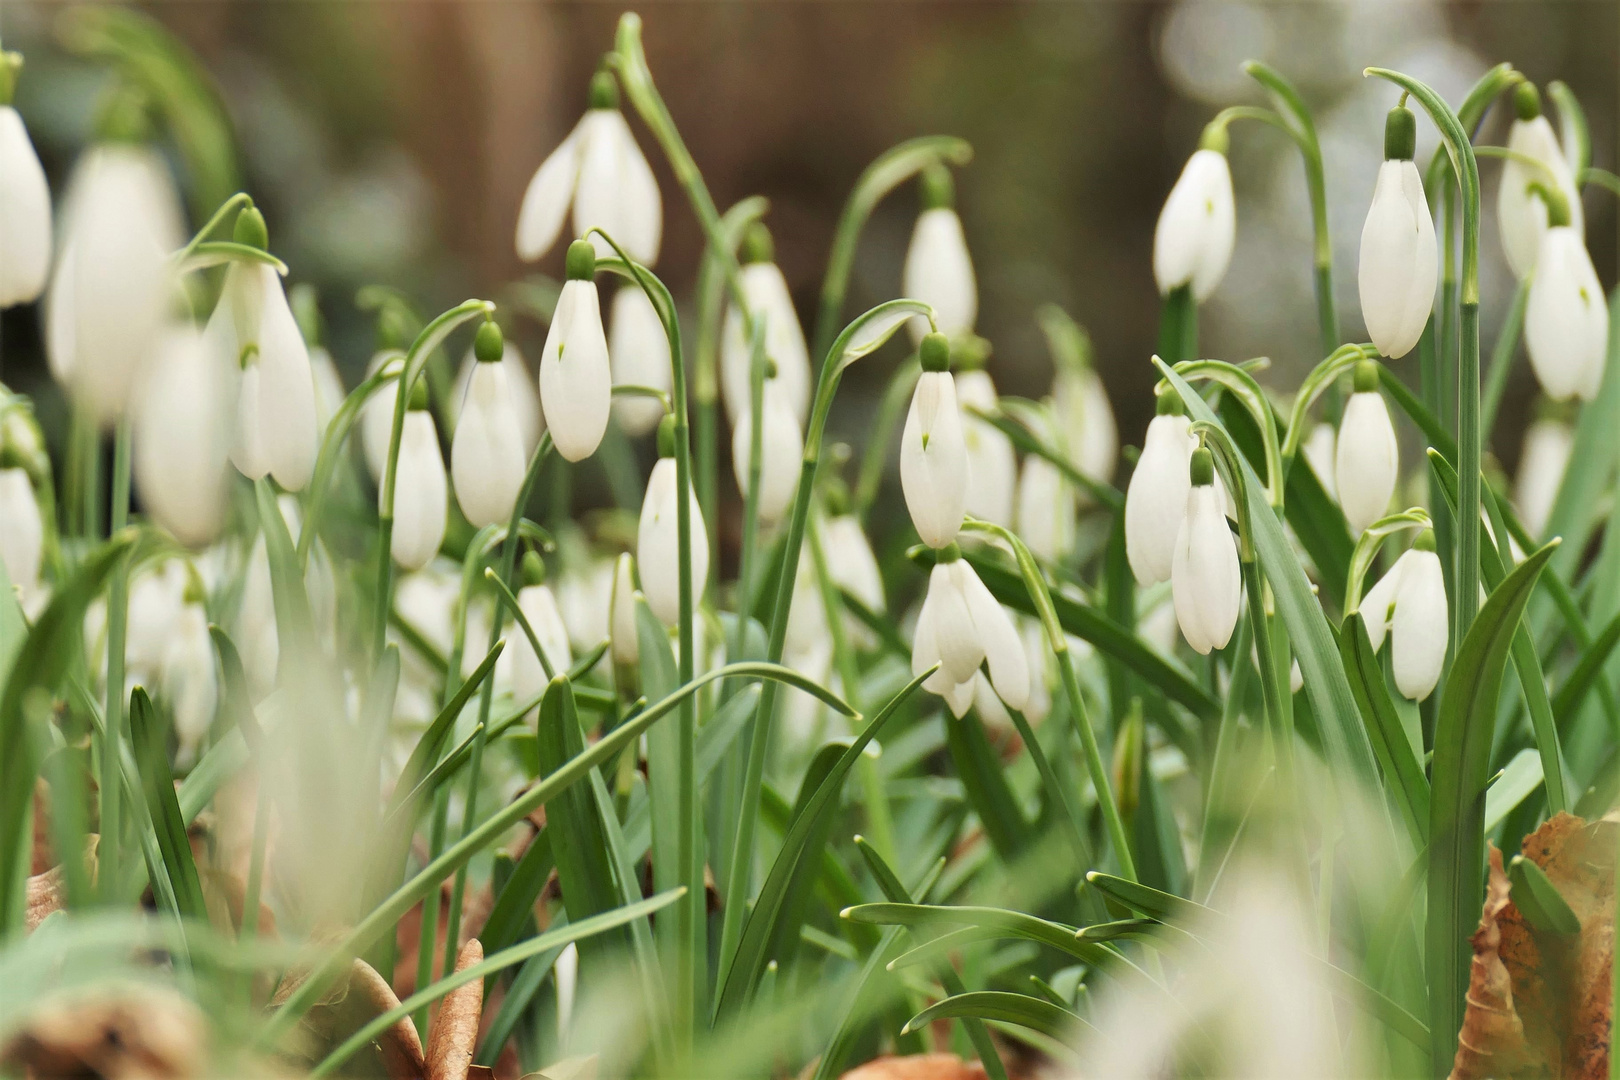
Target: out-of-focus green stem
1507, 346
1178, 325
110, 848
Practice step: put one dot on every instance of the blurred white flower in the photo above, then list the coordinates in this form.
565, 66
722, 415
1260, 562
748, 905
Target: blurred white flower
1366, 457
638, 353
540, 608
601, 171
1156, 498
933, 450
961, 625
113, 283
1046, 509
576, 382
770, 300
850, 561
487, 458
25, 211
1409, 604
1192, 244
1085, 422
1566, 321
585, 596
1542, 461
187, 683
780, 448
992, 464
657, 544
938, 269
1399, 254
22, 530
1320, 450
421, 501
622, 624
1205, 579
522, 391
1520, 214
255, 632
182, 437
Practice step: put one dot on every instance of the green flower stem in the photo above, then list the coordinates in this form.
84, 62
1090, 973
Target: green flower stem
1041, 596
1178, 325
1573, 120
337, 432
1507, 346
1603, 178
1241, 385
486, 694
689, 910
431, 337
1465, 600
1221, 763
874, 459
845, 351
711, 287
241, 200
888, 171
110, 850
1303, 127
1367, 545
1318, 382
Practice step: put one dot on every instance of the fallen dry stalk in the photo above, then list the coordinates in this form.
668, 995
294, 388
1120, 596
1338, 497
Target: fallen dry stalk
455, 1029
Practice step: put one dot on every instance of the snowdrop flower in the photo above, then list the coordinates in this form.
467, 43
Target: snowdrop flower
622, 608
961, 626
1205, 580
420, 498
657, 537
768, 299
377, 415
850, 561
252, 331
111, 285
1521, 215
1085, 422
25, 201
807, 631
938, 269
1409, 604
933, 450
22, 530
1566, 320
1542, 461
576, 384
585, 598
1046, 509
539, 606
1367, 459
601, 171
638, 352
521, 389
992, 464
780, 448
255, 632
187, 682
182, 438
1156, 498
1320, 448
1399, 254
487, 459
1192, 244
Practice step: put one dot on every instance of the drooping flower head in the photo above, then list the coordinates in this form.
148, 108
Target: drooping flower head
1366, 456
576, 382
780, 448
933, 450
600, 170
768, 299
539, 607
1399, 254
1192, 244
638, 352
1156, 498
421, 498
1566, 318
182, 437
25, 201
961, 625
1523, 217
938, 269
1409, 604
1206, 581
487, 456
658, 535
992, 463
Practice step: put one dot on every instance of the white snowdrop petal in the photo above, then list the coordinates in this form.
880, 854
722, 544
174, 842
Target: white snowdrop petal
1420, 627
1367, 460
851, 562
1521, 215
1046, 509
1003, 649
25, 214
539, 606
641, 209
781, 447
638, 350
545, 201
421, 494
1566, 319
1206, 581
934, 461
1192, 243
1542, 461
181, 441
1399, 260
287, 388
992, 463
960, 650
1319, 449
1085, 422
576, 382
1377, 603
1156, 498
487, 457
22, 529
657, 544
622, 627
939, 271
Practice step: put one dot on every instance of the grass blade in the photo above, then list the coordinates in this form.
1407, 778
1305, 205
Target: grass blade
150, 741
1034, 1013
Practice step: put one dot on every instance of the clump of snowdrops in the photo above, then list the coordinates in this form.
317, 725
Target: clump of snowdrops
309, 706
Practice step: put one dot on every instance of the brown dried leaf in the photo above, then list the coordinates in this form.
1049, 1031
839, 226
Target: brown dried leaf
1492, 1041
149, 1033
47, 895
401, 1047
455, 1029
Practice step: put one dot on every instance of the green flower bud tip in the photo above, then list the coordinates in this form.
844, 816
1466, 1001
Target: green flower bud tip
770, 368
1215, 137
1169, 402
10, 66
490, 344
969, 352
1366, 376
666, 436
604, 91
251, 230
392, 333
757, 245
1526, 101
835, 497
581, 262
936, 189
948, 554
1557, 205
1202, 469
419, 396
534, 569
935, 352
1425, 541
123, 118
1400, 134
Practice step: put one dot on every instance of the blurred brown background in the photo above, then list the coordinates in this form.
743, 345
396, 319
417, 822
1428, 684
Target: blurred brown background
390, 141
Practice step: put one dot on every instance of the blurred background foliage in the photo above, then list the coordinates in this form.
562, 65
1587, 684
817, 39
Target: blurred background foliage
390, 142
